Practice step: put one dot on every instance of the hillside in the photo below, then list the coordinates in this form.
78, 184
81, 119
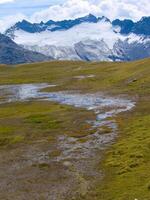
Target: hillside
11, 53
29, 132
130, 77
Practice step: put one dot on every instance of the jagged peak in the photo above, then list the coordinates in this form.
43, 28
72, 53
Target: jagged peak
144, 19
23, 22
89, 16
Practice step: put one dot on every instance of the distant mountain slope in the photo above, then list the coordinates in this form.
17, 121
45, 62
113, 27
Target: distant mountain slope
51, 25
11, 53
126, 26
88, 38
141, 27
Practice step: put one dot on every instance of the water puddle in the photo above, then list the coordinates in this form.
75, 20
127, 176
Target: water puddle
104, 107
84, 76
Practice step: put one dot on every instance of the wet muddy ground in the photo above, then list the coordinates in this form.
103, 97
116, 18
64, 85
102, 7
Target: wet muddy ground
71, 171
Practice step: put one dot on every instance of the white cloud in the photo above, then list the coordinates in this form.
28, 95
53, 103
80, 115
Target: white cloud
110, 8
8, 21
70, 9
5, 1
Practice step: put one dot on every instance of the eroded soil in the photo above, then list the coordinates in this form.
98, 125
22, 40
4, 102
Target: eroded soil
65, 166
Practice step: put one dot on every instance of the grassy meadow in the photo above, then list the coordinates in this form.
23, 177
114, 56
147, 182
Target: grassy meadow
126, 164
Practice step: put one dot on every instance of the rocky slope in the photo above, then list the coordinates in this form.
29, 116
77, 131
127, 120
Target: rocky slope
12, 53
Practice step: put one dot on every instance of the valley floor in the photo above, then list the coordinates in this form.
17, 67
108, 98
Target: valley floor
29, 133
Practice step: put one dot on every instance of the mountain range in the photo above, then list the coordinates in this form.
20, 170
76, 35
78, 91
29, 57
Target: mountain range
126, 26
88, 38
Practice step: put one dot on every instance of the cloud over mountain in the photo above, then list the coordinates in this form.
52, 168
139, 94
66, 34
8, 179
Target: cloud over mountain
112, 9
45, 10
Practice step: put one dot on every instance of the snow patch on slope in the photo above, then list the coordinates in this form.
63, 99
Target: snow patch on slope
84, 31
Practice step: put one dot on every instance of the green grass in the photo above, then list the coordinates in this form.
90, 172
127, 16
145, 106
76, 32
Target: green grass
31, 121
126, 164
116, 77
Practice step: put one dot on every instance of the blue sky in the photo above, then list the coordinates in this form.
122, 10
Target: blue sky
26, 7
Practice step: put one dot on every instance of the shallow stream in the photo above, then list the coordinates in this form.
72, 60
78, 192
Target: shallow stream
81, 158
